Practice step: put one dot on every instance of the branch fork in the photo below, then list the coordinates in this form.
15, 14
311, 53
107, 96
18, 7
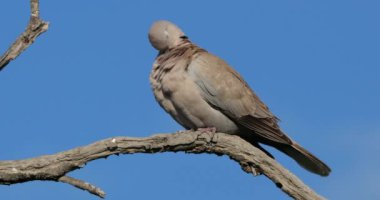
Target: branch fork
35, 27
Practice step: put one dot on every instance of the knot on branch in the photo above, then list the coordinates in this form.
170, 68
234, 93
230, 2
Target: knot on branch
111, 144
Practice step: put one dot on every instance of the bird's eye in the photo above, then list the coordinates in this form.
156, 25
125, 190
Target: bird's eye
183, 37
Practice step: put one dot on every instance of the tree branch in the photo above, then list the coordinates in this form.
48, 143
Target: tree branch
251, 159
35, 28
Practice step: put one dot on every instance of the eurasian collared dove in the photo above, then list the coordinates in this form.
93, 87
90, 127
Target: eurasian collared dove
200, 90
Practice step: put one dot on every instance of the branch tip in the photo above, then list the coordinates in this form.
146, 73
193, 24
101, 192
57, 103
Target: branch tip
82, 185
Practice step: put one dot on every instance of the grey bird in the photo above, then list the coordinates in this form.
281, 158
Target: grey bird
201, 91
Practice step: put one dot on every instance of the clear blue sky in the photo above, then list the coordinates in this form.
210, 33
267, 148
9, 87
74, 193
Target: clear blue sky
316, 64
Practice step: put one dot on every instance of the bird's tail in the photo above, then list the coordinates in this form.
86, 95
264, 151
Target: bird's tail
305, 159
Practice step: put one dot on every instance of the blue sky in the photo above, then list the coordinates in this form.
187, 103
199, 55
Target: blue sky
316, 64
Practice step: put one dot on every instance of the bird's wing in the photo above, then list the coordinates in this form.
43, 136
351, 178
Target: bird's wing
225, 90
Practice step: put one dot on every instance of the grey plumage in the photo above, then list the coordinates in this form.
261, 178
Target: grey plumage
200, 90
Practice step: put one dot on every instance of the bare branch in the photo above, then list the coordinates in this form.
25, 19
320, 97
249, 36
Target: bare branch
252, 160
35, 28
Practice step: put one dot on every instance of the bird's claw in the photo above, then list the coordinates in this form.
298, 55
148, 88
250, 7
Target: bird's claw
207, 130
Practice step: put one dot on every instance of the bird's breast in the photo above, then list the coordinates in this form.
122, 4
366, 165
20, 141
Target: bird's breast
186, 105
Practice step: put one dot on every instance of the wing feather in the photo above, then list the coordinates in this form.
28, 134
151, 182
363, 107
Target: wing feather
225, 90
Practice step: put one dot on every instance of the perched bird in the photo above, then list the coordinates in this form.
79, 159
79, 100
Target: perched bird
201, 91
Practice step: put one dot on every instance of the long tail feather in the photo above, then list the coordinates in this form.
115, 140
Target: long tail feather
305, 159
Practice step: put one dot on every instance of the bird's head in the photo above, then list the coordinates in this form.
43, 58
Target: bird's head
164, 35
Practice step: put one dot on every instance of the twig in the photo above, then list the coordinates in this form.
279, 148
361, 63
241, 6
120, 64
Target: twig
251, 159
35, 28
83, 186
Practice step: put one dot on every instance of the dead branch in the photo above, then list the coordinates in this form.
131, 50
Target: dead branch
252, 160
35, 28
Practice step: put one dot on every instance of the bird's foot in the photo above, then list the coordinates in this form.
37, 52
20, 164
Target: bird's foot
207, 130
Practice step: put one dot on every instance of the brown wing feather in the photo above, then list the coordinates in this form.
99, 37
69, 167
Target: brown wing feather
224, 89
265, 128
